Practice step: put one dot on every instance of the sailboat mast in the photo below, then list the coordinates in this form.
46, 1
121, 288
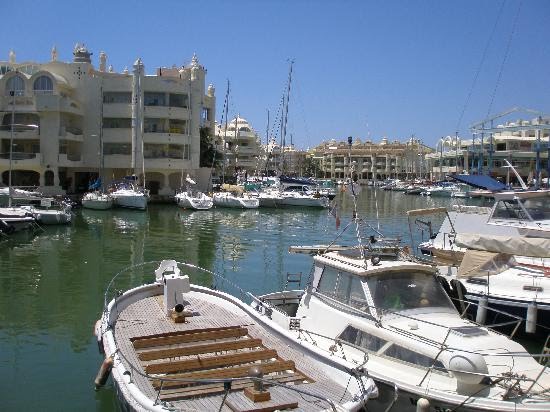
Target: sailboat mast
12, 92
101, 160
226, 104
267, 143
285, 119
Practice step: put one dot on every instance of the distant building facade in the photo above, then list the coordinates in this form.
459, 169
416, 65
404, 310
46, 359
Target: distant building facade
240, 144
515, 142
372, 161
63, 113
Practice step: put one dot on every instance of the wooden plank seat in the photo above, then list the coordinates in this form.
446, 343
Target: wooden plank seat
223, 373
218, 388
209, 353
200, 349
192, 335
199, 363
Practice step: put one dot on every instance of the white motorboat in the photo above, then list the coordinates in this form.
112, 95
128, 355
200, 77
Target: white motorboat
50, 212
128, 194
235, 200
191, 198
174, 345
394, 318
15, 219
97, 201
521, 288
270, 197
304, 197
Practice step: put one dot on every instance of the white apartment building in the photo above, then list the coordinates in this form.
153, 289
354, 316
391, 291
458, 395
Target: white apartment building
59, 115
372, 161
240, 144
514, 141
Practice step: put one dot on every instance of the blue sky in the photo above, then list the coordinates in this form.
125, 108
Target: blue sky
362, 68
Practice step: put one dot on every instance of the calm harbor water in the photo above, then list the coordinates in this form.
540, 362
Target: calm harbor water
52, 284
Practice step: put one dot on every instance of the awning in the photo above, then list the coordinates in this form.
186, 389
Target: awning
483, 263
480, 181
513, 245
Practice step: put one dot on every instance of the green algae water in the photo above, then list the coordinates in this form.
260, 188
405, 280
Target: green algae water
52, 284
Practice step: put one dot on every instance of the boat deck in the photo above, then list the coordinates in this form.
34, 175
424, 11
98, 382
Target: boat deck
217, 343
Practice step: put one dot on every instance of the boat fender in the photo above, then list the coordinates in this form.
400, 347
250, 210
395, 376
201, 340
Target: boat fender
422, 405
481, 315
99, 336
103, 373
531, 320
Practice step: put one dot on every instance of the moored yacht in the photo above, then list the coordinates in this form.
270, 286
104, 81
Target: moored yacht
128, 194
393, 317
97, 200
191, 198
174, 345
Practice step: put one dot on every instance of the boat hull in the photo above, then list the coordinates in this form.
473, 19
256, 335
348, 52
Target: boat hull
235, 202
130, 201
97, 202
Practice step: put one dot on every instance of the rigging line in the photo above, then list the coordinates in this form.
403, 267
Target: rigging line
514, 25
301, 104
483, 56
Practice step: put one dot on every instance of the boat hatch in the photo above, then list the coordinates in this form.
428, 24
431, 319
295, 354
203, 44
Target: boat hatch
216, 353
469, 331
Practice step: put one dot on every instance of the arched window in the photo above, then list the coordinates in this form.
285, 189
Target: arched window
15, 84
43, 85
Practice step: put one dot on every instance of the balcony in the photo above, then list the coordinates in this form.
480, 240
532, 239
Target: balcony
21, 159
167, 163
20, 131
166, 112
117, 110
117, 161
71, 133
57, 103
117, 135
69, 160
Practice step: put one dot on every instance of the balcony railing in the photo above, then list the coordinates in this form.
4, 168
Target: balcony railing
20, 128
18, 156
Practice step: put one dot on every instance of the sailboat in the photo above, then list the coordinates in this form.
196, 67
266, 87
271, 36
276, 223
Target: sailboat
13, 219
233, 196
128, 193
190, 198
96, 198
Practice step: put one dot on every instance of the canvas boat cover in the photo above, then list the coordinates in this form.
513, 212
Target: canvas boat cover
483, 263
480, 182
513, 245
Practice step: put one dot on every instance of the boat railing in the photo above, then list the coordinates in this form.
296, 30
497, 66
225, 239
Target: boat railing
227, 382
507, 380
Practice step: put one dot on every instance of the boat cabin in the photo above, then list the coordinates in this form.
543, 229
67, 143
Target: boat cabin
379, 287
521, 209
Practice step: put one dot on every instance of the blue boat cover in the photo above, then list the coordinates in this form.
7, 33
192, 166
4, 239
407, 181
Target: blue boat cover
480, 181
95, 185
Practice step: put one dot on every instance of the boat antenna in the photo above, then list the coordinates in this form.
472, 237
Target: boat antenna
354, 191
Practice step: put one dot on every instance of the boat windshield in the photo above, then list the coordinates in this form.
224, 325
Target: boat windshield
538, 209
407, 290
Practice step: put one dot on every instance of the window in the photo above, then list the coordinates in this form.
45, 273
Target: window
501, 147
361, 339
153, 125
43, 85
343, 287
117, 97
15, 84
117, 123
178, 100
178, 126
155, 151
154, 99
409, 356
407, 290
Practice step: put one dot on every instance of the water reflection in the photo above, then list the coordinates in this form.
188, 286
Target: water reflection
52, 285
